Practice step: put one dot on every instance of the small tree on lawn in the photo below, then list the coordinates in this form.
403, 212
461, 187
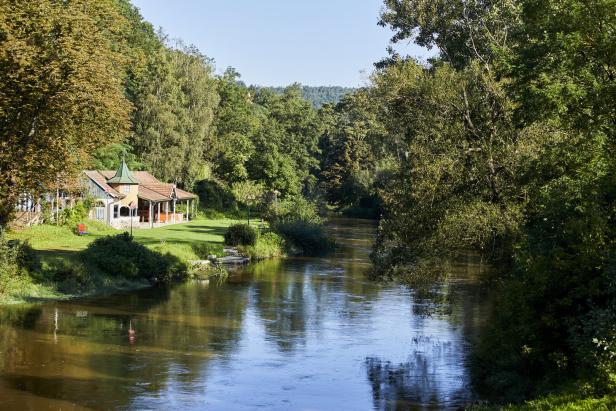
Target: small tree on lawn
248, 192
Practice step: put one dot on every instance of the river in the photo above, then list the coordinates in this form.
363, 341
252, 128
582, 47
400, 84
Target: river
292, 334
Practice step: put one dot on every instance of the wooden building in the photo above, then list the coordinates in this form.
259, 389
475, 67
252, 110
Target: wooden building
124, 195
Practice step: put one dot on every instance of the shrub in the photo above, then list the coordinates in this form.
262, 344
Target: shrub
305, 238
268, 245
120, 255
240, 234
69, 277
10, 269
25, 256
77, 214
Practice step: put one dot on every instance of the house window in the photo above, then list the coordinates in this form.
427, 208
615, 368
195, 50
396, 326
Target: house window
126, 189
124, 211
100, 211
115, 211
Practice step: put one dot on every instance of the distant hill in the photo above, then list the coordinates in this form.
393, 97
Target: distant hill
320, 95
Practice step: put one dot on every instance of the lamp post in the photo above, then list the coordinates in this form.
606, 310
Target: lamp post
131, 208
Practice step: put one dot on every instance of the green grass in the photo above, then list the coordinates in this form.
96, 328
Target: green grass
181, 237
60, 246
563, 402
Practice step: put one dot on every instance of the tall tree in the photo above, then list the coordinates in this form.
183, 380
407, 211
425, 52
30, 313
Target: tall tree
462, 30
299, 123
351, 149
173, 127
236, 125
61, 91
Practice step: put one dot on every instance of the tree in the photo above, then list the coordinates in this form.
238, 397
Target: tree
455, 187
173, 126
249, 193
293, 127
61, 91
351, 149
236, 125
462, 30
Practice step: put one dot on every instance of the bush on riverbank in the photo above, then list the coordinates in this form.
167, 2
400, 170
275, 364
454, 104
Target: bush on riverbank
121, 256
298, 222
268, 245
305, 238
14, 259
240, 234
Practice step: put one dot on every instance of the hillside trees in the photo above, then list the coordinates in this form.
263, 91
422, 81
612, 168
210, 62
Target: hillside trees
60, 80
294, 128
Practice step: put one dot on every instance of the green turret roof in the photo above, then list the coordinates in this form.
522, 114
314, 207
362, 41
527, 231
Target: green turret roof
123, 175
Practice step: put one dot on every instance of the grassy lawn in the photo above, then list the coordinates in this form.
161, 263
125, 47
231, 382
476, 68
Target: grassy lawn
51, 239
60, 247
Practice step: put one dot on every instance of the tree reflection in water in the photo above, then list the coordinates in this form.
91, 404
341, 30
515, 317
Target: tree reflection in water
303, 333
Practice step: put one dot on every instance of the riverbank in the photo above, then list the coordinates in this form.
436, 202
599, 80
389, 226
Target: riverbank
572, 402
62, 271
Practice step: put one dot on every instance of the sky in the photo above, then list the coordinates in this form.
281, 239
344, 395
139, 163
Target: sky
279, 42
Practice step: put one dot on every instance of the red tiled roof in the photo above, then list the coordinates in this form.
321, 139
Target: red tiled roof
151, 195
150, 188
184, 195
161, 188
101, 181
145, 177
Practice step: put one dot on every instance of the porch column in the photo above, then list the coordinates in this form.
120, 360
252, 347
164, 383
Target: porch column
174, 211
150, 207
166, 212
158, 215
187, 210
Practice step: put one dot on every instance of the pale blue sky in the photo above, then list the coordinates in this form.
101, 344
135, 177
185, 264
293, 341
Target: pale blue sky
278, 42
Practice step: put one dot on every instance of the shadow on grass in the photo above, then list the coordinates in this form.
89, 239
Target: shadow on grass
201, 230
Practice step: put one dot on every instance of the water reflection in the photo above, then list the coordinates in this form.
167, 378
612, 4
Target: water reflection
282, 334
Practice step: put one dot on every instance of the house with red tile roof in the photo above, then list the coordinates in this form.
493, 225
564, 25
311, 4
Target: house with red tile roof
124, 197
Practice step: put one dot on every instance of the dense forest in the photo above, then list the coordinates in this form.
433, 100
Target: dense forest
503, 145
320, 95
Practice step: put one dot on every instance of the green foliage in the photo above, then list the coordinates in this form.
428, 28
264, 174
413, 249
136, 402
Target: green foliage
121, 256
505, 146
174, 114
78, 213
62, 96
295, 208
268, 245
558, 402
248, 192
305, 238
351, 145
298, 222
237, 122
15, 260
213, 195
71, 277
108, 157
240, 234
